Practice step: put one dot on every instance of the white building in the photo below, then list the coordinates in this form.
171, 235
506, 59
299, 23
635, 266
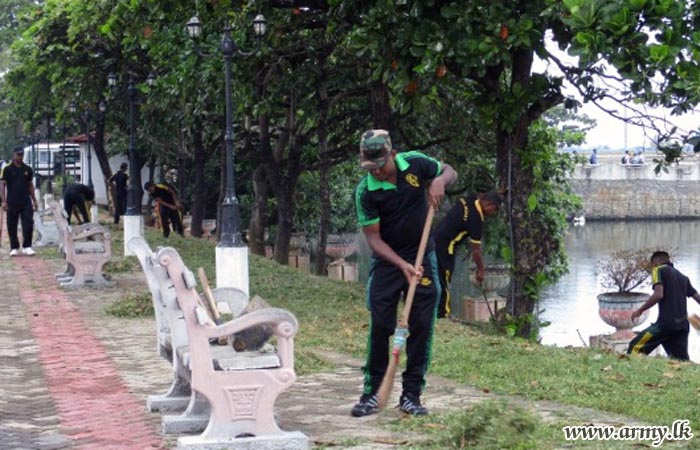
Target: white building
51, 155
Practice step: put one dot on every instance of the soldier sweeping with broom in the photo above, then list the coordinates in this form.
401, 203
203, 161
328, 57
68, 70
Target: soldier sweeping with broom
392, 208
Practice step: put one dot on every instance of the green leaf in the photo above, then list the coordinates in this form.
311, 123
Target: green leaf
531, 202
416, 9
449, 11
658, 53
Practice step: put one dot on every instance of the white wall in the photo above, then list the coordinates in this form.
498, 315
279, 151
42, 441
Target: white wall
610, 169
97, 178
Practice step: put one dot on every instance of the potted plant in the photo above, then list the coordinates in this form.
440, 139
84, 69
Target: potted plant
621, 273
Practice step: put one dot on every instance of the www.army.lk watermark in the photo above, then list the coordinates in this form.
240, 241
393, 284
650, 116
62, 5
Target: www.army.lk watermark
680, 430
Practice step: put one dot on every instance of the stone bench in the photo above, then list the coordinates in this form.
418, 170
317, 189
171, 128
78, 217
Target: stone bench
177, 397
86, 249
172, 345
46, 229
240, 394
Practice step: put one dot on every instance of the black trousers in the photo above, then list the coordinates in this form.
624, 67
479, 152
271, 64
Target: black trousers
76, 201
384, 287
446, 265
24, 213
674, 342
119, 205
168, 215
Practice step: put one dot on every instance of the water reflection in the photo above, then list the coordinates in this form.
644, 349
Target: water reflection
571, 304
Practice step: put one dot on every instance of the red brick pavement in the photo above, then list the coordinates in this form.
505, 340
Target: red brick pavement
95, 408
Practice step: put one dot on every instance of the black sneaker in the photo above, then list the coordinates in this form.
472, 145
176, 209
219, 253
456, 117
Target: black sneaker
367, 405
410, 404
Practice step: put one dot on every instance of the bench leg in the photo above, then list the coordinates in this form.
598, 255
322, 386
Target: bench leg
193, 420
84, 273
67, 273
77, 280
175, 400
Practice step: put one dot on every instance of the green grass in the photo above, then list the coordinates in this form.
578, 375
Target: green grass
490, 425
333, 317
132, 305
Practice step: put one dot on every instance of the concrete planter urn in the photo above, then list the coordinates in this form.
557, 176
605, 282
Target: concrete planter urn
340, 247
488, 302
495, 278
616, 308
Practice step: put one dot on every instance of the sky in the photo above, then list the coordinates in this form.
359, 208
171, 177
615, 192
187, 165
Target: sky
613, 132
610, 131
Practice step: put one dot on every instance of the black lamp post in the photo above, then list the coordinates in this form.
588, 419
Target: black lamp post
230, 209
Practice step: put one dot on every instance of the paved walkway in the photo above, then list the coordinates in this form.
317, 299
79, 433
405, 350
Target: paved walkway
72, 377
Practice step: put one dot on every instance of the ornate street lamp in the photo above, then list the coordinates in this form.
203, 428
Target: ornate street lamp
231, 251
133, 219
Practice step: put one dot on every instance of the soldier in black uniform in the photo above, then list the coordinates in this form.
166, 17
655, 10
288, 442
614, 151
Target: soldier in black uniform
464, 220
168, 206
19, 201
120, 180
671, 290
76, 201
392, 204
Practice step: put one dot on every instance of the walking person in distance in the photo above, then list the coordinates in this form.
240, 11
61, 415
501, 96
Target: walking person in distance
19, 202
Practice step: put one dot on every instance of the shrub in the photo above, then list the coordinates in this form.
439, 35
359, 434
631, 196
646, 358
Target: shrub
625, 270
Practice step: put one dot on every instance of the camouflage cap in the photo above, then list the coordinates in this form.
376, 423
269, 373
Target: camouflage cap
375, 148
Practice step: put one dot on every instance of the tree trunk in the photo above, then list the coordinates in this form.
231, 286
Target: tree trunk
98, 145
285, 214
199, 188
529, 244
382, 116
258, 216
283, 174
323, 170
182, 170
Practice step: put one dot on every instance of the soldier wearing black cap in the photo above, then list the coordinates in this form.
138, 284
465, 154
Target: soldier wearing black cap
19, 201
392, 204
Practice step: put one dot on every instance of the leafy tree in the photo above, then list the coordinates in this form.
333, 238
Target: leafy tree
488, 48
571, 127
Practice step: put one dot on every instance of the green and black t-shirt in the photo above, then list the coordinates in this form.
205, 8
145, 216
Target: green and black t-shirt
399, 209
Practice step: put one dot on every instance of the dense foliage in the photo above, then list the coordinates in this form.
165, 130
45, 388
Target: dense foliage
454, 79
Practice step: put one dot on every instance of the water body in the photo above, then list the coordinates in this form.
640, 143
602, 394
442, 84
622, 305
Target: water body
571, 304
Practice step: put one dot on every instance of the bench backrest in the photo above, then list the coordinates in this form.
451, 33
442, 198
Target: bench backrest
181, 281
172, 315
139, 246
